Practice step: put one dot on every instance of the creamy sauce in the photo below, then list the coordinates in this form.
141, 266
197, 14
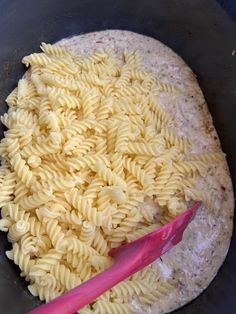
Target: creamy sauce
194, 262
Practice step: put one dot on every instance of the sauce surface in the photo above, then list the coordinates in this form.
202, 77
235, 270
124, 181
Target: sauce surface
195, 261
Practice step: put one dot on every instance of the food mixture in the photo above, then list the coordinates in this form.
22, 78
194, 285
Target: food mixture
119, 141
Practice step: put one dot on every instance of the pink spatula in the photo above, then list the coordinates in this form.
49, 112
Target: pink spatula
129, 258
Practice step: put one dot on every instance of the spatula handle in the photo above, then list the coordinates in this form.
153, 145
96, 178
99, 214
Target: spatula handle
80, 296
129, 259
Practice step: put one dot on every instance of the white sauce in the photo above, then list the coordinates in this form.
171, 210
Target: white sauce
166, 271
195, 261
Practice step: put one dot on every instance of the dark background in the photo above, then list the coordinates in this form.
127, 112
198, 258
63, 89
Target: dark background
229, 6
198, 30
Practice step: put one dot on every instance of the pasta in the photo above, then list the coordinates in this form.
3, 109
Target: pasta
89, 143
84, 207
136, 171
79, 265
108, 175
17, 230
7, 188
127, 225
36, 199
24, 262
22, 170
44, 293
65, 276
103, 307
87, 233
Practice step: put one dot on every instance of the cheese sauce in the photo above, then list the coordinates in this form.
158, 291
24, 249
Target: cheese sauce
194, 262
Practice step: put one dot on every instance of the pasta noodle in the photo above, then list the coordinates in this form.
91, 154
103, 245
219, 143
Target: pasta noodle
89, 143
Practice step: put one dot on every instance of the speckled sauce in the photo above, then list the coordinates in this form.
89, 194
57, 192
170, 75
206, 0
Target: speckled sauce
194, 262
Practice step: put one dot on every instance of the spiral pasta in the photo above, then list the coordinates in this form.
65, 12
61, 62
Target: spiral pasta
94, 188
78, 127
34, 246
89, 147
24, 262
87, 232
143, 149
138, 233
44, 264
80, 265
208, 157
174, 140
108, 175
44, 293
22, 170
80, 248
126, 208
191, 167
36, 199
55, 233
84, 207
45, 148
169, 189
163, 177
90, 99
122, 137
129, 288
104, 307
164, 87
136, 171
12, 147
53, 49
65, 276
111, 137
196, 195
127, 225
17, 230
7, 188
99, 243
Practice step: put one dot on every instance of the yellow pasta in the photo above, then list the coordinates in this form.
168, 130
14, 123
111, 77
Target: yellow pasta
139, 173
108, 175
112, 307
127, 225
44, 293
7, 188
84, 207
79, 265
53, 49
24, 262
17, 230
87, 232
174, 140
65, 276
89, 145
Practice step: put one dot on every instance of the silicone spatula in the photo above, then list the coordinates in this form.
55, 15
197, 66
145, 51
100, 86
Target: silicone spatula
129, 258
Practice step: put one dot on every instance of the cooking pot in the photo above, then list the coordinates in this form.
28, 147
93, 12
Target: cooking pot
200, 31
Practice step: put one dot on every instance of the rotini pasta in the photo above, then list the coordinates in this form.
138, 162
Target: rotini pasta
139, 173
89, 148
79, 265
127, 225
17, 230
7, 188
65, 276
104, 307
36, 199
108, 175
24, 262
174, 140
22, 170
84, 207
87, 232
